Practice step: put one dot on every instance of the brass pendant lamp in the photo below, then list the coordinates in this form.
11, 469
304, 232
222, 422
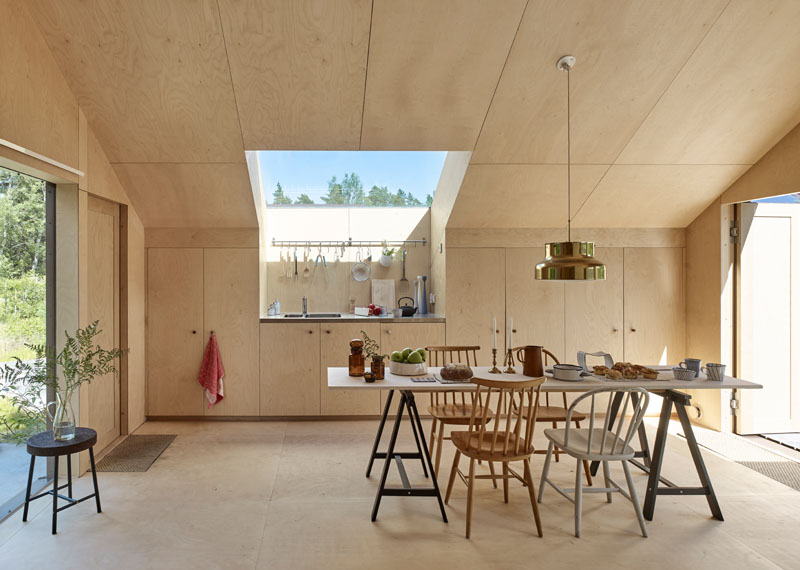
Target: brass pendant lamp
569, 260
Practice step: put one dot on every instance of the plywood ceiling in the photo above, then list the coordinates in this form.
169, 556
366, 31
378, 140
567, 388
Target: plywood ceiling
672, 99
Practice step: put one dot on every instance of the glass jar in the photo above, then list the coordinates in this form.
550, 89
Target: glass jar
378, 367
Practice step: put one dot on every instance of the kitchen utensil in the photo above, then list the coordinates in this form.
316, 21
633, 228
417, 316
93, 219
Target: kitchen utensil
692, 364
531, 359
609, 360
360, 270
283, 266
680, 373
715, 372
306, 271
408, 310
402, 285
567, 372
295, 264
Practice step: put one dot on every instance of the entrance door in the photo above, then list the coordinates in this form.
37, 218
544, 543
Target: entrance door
103, 291
769, 282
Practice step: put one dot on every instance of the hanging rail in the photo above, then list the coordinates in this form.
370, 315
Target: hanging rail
345, 243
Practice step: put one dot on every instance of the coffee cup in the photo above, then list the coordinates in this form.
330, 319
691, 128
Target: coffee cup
692, 364
715, 372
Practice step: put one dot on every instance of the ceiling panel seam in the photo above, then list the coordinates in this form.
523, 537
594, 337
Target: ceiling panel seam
230, 75
500, 76
366, 74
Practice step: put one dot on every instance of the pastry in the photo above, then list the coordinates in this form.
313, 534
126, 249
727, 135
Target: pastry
612, 374
650, 374
630, 374
600, 369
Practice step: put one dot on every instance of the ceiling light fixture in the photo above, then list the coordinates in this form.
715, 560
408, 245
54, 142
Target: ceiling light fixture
569, 260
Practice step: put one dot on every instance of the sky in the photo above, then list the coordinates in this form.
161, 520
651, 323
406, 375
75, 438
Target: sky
309, 171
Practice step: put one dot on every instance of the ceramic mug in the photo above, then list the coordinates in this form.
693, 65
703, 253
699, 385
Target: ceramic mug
692, 364
715, 372
531, 359
681, 373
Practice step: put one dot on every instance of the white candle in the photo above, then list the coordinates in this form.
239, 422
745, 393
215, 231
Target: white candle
510, 332
494, 332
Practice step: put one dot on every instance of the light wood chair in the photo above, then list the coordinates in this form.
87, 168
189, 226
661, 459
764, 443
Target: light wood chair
448, 407
509, 439
603, 444
554, 414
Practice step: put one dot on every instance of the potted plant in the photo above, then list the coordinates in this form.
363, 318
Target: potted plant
373, 351
24, 382
387, 255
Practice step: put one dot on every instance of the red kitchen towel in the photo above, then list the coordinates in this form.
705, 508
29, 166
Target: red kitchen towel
212, 372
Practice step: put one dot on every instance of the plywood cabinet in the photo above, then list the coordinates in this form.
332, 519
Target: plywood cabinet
654, 299
476, 294
537, 307
593, 311
230, 301
174, 331
290, 369
335, 349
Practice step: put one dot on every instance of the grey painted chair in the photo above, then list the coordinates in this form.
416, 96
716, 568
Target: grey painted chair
604, 444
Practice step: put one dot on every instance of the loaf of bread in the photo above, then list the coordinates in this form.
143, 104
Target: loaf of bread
456, 372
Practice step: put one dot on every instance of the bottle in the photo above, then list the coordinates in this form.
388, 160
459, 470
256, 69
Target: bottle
356, 359
277, 307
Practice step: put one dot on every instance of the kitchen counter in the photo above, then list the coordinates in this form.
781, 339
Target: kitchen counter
351, 318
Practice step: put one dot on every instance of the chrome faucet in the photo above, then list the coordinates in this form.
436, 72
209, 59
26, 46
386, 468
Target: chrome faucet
305, 306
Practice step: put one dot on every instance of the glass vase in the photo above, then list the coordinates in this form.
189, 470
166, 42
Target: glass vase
63, 416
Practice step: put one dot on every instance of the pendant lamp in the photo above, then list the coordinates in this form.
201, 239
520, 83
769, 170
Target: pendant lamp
569, 260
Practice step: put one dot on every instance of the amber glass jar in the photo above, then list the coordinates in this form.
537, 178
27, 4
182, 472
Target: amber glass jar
356, 362
378, 367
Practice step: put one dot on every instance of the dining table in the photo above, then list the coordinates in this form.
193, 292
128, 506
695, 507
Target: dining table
671, 389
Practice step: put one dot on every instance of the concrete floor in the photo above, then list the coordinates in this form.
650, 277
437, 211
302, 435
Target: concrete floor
293, 495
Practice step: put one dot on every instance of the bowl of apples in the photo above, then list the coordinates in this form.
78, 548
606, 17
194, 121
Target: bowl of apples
408, 362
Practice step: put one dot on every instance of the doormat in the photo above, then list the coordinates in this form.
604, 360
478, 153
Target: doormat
788, 439
737, 449
136, 454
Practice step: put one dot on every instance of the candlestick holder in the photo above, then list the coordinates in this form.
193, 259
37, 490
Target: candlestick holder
494, 369
510, 361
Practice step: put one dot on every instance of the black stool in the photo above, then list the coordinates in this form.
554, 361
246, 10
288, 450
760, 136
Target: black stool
43, 445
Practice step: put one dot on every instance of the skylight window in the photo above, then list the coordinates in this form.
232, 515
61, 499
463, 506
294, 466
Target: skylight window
377, 179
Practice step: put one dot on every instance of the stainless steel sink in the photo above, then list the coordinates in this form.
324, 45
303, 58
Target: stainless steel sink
323, 315
293, 315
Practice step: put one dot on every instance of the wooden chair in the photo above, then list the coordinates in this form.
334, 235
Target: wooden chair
554, 414
602, 444
448, 407
510, 439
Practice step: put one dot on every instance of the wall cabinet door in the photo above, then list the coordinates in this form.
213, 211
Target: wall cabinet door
290, 369
231, 310
335, 348
537, 307
397, 336
655, 331
594, 310
174, 331
476, 293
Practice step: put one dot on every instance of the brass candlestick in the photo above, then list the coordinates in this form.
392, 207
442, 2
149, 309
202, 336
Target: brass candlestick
510, 361
494, 369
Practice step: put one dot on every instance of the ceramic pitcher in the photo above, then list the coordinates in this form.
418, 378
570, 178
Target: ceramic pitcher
531, 359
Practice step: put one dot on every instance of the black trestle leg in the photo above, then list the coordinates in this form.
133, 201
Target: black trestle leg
28, 489
413, 413
55, 494
416, 436
659, 445
94, 480
380, 431
389, 457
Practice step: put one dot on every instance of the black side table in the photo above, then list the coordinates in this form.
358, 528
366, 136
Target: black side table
43, 445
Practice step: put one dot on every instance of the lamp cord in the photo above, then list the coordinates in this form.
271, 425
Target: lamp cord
569, 167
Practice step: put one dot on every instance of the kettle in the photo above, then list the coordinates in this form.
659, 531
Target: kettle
408, 310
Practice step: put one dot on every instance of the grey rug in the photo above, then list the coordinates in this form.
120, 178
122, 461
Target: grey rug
136, 454
788, 439
738, 449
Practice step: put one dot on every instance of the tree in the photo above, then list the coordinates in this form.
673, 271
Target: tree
429, 200
278, 197
304, 199
378, 196
22, 224
348, 191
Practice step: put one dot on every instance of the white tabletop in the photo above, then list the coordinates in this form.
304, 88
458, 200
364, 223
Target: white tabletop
339, 379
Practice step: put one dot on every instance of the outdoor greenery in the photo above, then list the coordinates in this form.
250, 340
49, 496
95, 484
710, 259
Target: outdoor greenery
23, 384
350, 190
22, 264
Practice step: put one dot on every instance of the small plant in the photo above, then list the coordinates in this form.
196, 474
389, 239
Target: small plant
371, 348
388, 251
25, 383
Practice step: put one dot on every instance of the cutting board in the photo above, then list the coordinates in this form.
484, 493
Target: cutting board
383, 293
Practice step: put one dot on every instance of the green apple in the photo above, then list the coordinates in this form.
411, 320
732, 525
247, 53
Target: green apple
415, 358
424, 353
397, 356
406, 352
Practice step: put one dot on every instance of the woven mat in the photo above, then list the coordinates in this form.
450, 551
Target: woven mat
136, 454
736, 448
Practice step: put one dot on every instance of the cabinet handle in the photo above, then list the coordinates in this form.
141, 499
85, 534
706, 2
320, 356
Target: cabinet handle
194, 332
615, 329
389, 331
310, 332
497, 331
633, 329
327, 332
513, 330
